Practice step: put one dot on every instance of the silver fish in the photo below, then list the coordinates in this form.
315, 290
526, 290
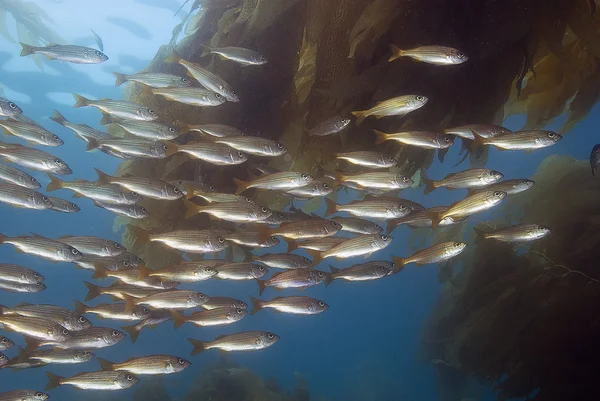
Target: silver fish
8, 108
295, 305
138, 148
241, 271
68, 319
360, 245
19, 274
254, 145
70, 53
34, 134
192, 96
11, 286
95, 246
218, 130
284, 260
109, 193
90, 338
245, 341
132, 211
44, 247
117, 108
329, 126
23, 395
516, 233
103, 380
214, 153
397, 106
361, 272
153, 79
63, 205
148, 187
358, 226
421, 139
314, 189
34, 159
238, 54
21, 197
18, 177
368, 159
149, 129
83, 131
438, 55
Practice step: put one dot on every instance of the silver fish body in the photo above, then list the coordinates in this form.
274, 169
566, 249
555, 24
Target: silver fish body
63, 205
330, 126
69, 53
19, 274
21, 197
44, 247
192, 96
34, 134
18, 177
35, 159
153, 79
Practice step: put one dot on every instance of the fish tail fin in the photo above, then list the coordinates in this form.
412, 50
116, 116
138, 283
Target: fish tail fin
99, 271
55, 183
23, 355
330, 277
399, 264
27, 49
316, 255
262, 285
132, 331
430, 185
338, 178
478, 142
107, 119
292, 245
396, 53
173, 57
257, 305
191, 209
53, 380
105, 364
31, 344
80, 307
480, 235
121, 78
144, 272
93, 290
140, 233
80, 101
436, 218
391, 225
206, 50
2, 238
360, 116
332, 207
199, 346
264, 233
178, 319
92, 144
129, 303
103, 178
241, 186
381, 137
58, 118
464, 147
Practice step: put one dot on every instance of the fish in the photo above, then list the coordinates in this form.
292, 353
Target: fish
91, 338
153, 79
472, 204
132, 277
23, 395
8, 108
254, 145
157, 317
117, 108
71, 320
301, 278
206, 78
147, 365
69, 53
119, 291
12, 286
3, 360
192, 96
21, 197
595, 158
420, 139
34, 159
224, 302
295, 305
174, 299
472, 178
193, 241
284, 261
31, 133
252, 239
285, 180
132, 211
419, 218
62, 205
44, 247
216, 130
149, 129
383, 208
214, 153
361, 272
187, 272
95, 246
83, 131
58, 356
123, 261
238, 54
438, 55
317, 244
36, 328
148, 187
114, 311
517, 233
241, 271
521, 140
303, 229
358, 226
238, 212
18, 177
368, 159
330, 126
6, 343
104, 193
483, 130
102, 380
211, 317
397, 106
137, 148
19, 274
244, 341
511, 187
434, 254
364, 244
379, 180
315, 189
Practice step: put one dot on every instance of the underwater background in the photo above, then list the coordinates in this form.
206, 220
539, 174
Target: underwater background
379, 340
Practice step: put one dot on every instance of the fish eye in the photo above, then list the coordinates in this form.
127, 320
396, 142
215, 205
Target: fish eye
12, 105
279, 145
405, 179
218, 96
82, 319
99, 54
129, 377
45, 198
497, 193
457, 244
240, 311
185, 80
221, 240
260, 267
248, 200
115, 333
420, 98
176, 190
213, 189
74, 251
58, 161
39, 395
34, 180
39, 284
320, 274
551, 134
4, 340
321, 303
460, 55
307, 261
165, 147
181, 361
117, 245
134, 194
305, 176
447, 138
384, 237
240, 154
233, 93
65, 332
74, 206
55, 137
171, 130
34, 275
125, 263
262, 58
201, 296
150, 111
264, 209
325, 185
403, 207
274, 239
271, 336
144, 210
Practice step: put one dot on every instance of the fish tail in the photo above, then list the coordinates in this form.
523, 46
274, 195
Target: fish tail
178, 319
58, 118
436, 218
199, 346
80, 307
141, 234
316, 255
105, 364
129, 303
257, 305
399, 264
338, 178
332, 207
262, 285
391, 225
430, 185
103, 178
464, 146
396, 53
27, 49
99, 271
144, 272
173, 57
55, 183
80, 101
92, 144
478, 142
2, 238
480, 235
264, 233
360, 116
107, 119
53, 380
206, 50
31, 344
381, 137
191, 209
292, 245
121, 78
23, 355
93, 290
132, 331
241, 186
330, 277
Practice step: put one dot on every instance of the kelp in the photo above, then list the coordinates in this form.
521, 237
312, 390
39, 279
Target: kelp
524, 319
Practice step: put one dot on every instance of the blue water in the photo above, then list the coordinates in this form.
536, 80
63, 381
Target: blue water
365, 345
